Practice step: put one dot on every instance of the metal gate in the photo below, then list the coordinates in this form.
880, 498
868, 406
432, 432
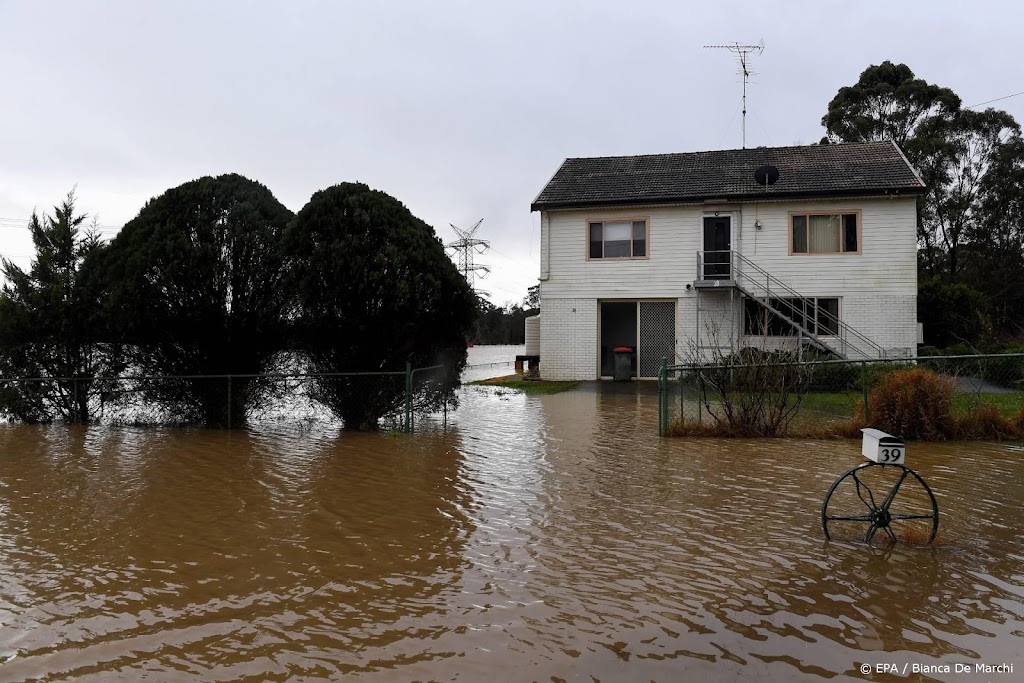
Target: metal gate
657, 337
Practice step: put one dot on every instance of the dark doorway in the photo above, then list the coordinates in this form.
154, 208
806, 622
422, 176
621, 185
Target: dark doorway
717, 248
618, 328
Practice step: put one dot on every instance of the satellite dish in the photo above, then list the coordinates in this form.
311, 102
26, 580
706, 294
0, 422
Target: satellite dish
766, 175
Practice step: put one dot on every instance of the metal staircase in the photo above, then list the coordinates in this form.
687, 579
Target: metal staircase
729, 269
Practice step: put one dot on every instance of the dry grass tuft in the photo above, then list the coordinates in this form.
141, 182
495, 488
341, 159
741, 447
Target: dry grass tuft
986, 422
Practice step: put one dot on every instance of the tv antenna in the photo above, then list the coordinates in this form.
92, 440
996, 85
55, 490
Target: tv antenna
465, 247
742, 52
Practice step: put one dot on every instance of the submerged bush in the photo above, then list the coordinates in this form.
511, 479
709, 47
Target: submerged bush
985, 422
914, 404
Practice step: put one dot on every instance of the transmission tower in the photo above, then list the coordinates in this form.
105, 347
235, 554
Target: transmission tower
742, 52
465, 247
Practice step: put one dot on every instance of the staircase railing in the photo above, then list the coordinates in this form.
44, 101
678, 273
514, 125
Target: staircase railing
792, 307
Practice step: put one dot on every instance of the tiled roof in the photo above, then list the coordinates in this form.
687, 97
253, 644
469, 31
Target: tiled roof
809, 171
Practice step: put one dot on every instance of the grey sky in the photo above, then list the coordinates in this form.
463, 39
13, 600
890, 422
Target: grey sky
462, 110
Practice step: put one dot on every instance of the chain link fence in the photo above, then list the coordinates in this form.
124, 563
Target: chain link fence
810, 395
381, 400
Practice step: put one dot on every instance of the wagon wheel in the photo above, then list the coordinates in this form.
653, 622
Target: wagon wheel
873, 497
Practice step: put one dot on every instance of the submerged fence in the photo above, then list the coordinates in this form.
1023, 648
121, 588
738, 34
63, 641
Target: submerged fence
834, 390
391, 399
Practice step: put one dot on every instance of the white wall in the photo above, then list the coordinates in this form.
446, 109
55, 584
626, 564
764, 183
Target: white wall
877, 288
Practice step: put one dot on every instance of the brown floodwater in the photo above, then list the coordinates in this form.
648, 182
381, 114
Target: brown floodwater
535, 538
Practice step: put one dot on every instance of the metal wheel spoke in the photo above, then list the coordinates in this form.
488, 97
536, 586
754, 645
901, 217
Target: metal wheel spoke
895, 489
877, 515
860, 485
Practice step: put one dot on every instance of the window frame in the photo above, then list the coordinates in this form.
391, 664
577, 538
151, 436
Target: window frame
842, 238
618, 219
766, 323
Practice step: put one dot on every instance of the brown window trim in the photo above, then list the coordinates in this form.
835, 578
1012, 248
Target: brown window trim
617, 219
832, 212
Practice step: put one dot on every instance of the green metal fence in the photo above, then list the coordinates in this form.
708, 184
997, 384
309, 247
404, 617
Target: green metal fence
226, 400
837, 390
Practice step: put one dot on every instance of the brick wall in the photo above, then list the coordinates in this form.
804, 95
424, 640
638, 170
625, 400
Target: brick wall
568, 339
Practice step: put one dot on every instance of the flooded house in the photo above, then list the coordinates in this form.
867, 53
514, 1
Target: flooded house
696, 255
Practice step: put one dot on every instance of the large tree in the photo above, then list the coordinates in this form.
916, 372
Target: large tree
887, 103
971, 162
955, 157
196, 288
375, 291
51, 327
953, 148
995, 262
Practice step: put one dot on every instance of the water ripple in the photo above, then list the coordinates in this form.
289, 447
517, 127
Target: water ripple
542, 538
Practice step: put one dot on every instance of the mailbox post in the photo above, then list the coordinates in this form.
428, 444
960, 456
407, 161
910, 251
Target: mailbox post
881, 494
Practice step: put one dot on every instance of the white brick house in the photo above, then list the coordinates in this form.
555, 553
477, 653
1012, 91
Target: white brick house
679, 254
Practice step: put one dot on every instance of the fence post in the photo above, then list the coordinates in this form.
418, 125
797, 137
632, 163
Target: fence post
682, 398
408, 397
864, 387
663, 397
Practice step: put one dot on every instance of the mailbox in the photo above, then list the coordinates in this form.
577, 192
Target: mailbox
885, 449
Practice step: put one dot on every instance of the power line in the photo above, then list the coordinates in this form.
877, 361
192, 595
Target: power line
22, 224
998, 99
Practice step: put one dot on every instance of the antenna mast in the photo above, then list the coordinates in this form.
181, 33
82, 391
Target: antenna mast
465, 247
742, 52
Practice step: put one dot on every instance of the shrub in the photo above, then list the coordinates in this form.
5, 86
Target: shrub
914, 404
752, 393
949, 311
986, 422
835, 376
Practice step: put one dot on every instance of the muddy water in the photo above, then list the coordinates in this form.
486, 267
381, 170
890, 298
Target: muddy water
537, 538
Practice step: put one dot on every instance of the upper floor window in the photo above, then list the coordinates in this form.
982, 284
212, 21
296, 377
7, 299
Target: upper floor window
617, 239
825, 233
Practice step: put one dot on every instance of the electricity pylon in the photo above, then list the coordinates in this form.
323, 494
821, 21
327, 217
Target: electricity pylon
466, 246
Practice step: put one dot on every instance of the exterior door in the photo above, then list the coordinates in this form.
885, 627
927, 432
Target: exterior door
717, 248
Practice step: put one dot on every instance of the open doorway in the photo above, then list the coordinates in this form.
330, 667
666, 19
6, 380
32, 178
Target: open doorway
618, 328
647, 327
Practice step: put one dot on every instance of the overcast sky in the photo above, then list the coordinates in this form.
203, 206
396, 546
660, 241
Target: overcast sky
461, 110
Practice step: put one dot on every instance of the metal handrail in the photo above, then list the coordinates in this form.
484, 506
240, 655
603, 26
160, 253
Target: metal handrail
772, 300
700, 262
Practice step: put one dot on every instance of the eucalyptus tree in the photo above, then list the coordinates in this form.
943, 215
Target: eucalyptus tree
196, 286
959, 157
888, 102
953, 148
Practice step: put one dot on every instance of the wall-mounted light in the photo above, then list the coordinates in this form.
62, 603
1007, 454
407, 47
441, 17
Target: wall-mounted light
757, 224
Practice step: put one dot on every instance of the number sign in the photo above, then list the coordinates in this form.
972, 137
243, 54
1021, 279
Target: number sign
890, 455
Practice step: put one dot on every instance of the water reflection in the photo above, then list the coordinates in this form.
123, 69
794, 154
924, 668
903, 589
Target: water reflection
534, 538
220, 554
